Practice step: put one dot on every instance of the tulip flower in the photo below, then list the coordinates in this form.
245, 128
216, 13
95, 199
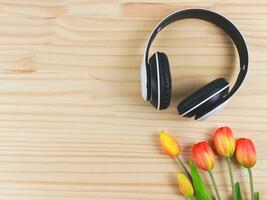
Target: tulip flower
245, 152
246, 156
205, 159
203, 156
172, 148
224, 143
185, 185
169, 144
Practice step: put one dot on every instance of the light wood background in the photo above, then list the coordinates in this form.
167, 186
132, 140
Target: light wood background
73, 124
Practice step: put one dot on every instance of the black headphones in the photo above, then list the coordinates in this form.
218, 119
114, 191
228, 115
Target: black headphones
156, 82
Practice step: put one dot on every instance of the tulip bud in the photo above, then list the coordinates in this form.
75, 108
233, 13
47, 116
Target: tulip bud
224, 142
185, 185
203, 156
245, 152
169, 144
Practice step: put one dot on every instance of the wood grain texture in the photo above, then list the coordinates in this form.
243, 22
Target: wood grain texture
72, 121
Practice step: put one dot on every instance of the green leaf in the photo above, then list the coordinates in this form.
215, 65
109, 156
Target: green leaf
238, 192
257, 196
201, 190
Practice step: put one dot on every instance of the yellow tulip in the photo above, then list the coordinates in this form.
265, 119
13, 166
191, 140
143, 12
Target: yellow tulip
185, 185
169, 144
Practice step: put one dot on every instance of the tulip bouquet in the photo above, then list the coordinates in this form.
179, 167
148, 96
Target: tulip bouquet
190, 181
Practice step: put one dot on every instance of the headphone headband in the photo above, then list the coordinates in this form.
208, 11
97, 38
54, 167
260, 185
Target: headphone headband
209, 16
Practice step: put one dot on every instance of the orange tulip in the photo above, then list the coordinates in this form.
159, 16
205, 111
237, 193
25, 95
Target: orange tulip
205, 159
246, 156
224, 142
185, 185
245, 152
203, 156
169, 144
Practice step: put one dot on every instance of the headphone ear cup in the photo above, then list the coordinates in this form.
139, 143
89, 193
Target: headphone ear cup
203, 98
161, 85
204, 113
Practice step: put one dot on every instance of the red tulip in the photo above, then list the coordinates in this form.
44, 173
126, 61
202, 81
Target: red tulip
224, 142
245, 152
203, 156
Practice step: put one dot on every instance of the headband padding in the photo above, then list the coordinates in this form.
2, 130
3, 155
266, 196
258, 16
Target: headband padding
200, 95
165, 80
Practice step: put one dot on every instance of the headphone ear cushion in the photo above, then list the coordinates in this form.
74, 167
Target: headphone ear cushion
203, 97
204, 113
161, 85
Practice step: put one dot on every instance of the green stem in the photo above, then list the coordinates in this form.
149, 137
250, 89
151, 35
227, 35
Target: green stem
214, 185
180, 162
251, 183
231, 176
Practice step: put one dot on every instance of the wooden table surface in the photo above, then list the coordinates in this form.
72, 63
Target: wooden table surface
73, 124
